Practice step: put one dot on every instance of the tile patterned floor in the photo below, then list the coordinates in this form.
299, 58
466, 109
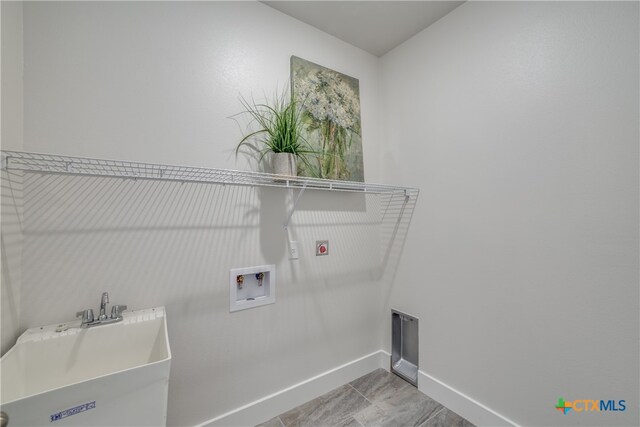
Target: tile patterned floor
376, 399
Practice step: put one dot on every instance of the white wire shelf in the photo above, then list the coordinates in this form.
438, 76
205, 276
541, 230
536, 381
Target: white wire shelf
84, 166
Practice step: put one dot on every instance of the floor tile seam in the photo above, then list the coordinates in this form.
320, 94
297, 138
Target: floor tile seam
358, 391
356, 420
442, 408
324, 402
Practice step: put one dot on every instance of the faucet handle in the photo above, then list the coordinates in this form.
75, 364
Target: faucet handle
116, 310
87, 316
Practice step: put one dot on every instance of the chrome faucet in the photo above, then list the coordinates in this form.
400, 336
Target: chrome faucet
116, 313
103, 305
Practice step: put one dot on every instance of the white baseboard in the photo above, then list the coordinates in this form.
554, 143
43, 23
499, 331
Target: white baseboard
461, 404
268, 407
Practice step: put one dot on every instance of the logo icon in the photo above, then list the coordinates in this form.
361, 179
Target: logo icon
586, 405
563, 406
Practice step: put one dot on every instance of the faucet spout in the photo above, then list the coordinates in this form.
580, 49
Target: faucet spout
103, 305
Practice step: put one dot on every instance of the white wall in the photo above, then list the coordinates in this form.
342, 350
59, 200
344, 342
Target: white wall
156, 82
11, 191
519, 122
12, 56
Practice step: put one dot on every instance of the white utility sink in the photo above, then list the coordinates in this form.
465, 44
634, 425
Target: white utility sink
114, 374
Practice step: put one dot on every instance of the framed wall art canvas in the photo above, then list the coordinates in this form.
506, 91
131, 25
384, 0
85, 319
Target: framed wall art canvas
330, 103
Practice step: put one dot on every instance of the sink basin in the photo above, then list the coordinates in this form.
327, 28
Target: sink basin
115, 374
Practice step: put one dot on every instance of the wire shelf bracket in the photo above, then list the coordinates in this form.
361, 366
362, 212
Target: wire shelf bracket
293, 208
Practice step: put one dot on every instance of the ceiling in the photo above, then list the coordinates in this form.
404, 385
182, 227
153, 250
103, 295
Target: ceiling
375, 26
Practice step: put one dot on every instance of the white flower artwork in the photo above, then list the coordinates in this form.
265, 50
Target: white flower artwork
331, 112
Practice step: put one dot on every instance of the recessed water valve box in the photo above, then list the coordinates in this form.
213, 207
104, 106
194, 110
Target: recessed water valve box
252, 287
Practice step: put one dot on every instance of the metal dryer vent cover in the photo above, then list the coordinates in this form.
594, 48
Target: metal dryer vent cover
404, 346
